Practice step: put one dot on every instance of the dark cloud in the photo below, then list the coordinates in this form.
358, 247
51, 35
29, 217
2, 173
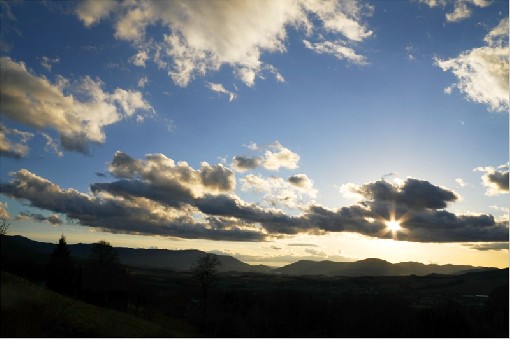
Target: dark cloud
241, 163
53, 219
171, 194
493, 246
272, 221
415, 194
496, 180
157, 196
500, 179
132, 216
101, 174
75, 143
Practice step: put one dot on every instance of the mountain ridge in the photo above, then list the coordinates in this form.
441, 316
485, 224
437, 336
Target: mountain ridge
182, 260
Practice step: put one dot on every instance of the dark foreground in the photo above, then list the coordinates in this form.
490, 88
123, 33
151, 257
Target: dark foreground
163, 303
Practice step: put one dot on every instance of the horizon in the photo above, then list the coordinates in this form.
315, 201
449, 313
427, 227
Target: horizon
273, 264
267, 131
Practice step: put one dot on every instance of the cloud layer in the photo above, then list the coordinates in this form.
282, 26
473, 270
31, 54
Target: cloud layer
158, 196
243, 31
78, 111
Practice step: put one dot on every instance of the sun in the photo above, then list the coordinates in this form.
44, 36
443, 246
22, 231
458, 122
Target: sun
393, 225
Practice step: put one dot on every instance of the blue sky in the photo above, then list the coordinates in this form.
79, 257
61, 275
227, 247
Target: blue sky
272, 131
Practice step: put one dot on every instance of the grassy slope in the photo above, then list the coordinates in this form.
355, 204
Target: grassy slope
29, 310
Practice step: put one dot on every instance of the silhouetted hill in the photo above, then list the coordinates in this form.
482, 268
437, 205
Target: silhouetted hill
179, 260
372, 267
182, 260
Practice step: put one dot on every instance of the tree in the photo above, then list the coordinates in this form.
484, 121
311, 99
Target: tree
60, 268
205, 271
4, 226
103, 255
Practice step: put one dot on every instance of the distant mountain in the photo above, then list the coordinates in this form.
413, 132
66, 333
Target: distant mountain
182, 260
179, 260
371, 267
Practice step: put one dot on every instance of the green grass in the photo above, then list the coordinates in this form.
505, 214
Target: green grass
29, 310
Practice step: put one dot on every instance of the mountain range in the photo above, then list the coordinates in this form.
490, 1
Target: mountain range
182, 260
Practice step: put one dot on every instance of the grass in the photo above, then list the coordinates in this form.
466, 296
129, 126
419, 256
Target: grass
30, 310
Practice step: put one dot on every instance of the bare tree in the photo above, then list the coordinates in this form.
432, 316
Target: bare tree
205, 271
4, 226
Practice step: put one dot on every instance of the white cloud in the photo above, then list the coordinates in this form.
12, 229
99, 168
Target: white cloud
278, 192
337, 49
91, 12
78, 111
460, 182
482, 72
11, 148
51, 144
218, 88
280, 157
461, 8
140, 58
275, 157
48, 62
142, 81
3, 211
351, 191
243, 31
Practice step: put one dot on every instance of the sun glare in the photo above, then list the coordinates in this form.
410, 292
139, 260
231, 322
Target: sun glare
393, 225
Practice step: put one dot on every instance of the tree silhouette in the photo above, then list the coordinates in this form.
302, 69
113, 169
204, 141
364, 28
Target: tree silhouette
205, 271
4, 226
103, 255
60, 268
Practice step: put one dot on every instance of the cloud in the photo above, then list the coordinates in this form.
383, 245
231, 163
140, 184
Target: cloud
293, 193
160, 197
140, 58
316, 253
47, 63
274, 157
494, 246
496, 180
10, 148
78, 111
482, 72
244, 31
418, 205
163, 173
3, 211
142, 82
218, 88
337, 49
242, 163
460, 182
53, 219
121, 214
51, 144
280, 157
91, 12
461, 8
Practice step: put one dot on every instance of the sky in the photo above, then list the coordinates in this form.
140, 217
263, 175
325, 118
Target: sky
272, 131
